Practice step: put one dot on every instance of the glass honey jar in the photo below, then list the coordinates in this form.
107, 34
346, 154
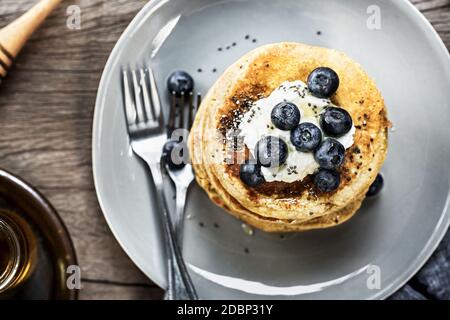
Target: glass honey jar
18, 251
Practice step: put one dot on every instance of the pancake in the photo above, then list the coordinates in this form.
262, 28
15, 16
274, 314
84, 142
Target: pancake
210, 184
280, 206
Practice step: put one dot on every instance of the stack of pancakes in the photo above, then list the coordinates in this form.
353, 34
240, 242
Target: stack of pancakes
281, 206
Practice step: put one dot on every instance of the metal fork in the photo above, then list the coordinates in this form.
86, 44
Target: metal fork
182, 177
147, 134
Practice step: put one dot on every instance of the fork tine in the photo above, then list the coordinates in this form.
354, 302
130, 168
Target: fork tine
130, 110
191, 111
172, 113
145, 94
156, 103
181, 111
199, 102
138, 98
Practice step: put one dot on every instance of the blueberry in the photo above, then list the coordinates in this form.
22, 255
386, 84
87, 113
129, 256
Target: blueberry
251, 174
285, 116
323, 82
271, 151
179, 82
335, 121
330, 154
376, 186
172, 154
327, 180
306, 137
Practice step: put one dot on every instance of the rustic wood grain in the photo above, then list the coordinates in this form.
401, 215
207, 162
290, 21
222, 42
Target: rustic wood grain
46, 109
112, 291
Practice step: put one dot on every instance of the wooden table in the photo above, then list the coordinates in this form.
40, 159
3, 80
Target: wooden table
46, 110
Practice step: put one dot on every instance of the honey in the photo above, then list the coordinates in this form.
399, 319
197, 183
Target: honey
5, 255
18, 253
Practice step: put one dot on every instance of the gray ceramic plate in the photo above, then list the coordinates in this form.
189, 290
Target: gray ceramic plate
395, 232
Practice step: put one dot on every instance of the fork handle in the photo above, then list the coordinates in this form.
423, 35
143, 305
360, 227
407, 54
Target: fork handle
180, 204
180, 286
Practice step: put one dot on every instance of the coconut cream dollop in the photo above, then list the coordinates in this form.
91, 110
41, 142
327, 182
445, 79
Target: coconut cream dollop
256, 123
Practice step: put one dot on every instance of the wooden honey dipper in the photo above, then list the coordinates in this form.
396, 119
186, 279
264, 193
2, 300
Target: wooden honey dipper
14, 36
